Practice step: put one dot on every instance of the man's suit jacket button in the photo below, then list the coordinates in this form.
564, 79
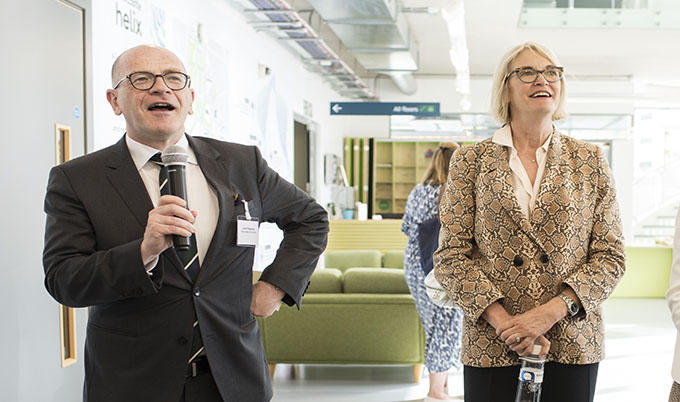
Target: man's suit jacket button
518, 261
182, 340
197, 292
545, 258
139, 292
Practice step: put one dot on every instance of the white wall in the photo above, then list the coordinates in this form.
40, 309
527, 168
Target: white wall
622, 169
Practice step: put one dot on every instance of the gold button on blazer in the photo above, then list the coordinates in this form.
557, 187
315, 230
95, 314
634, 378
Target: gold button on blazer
490, 251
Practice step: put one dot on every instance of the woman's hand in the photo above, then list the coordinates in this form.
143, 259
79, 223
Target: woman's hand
540, 340
521, 331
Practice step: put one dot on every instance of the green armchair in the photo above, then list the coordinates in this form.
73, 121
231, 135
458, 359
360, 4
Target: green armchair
350, 315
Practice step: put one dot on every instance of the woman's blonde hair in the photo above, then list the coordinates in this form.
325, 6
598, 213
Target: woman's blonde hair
500, 101
438, 171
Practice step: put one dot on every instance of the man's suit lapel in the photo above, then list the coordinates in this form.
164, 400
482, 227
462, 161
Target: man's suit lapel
124, 178
500, 166
216, 174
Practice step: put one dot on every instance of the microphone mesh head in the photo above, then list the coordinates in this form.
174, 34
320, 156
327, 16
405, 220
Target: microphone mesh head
174, 155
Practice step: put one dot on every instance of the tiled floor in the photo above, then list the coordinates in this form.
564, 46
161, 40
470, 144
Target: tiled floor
640, 340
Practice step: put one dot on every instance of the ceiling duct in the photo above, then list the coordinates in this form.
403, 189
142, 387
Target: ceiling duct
376, 34
309, 39
404, 80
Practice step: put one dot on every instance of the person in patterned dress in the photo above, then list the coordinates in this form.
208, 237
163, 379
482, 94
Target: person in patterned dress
531, 240
442, 325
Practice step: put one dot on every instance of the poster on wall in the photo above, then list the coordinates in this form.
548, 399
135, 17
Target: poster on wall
272, 119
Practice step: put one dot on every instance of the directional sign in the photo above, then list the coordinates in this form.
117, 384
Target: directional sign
385, 108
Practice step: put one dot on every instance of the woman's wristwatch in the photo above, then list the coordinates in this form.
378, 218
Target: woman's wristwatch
572, 307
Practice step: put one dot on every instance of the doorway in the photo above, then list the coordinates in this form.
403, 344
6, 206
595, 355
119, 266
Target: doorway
306, 168
301, 176
44, 120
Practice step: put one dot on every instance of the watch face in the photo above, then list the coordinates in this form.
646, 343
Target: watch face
573, 308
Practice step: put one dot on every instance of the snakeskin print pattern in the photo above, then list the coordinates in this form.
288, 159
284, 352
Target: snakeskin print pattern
491, 251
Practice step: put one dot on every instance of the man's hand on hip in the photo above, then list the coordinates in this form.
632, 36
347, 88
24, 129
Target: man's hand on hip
266, 299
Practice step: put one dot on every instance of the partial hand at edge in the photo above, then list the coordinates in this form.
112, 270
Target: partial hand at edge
266, 299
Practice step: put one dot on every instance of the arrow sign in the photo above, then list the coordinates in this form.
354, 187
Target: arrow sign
385, 108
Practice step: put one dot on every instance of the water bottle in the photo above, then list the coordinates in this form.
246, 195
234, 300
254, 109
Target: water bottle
530, 377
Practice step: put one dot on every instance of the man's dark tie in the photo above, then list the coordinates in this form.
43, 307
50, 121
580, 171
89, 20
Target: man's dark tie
188, 257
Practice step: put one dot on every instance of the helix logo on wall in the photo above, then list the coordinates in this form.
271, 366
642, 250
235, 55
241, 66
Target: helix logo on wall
129, 16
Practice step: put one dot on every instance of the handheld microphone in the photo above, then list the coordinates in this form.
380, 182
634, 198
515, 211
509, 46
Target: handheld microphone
175, 158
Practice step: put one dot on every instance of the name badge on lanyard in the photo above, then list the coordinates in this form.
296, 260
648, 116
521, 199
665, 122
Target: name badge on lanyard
247, 228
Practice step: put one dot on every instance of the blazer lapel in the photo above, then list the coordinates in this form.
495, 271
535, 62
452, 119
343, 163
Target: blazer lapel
503, 182
216, 174
508, 199
125, 179
553, 175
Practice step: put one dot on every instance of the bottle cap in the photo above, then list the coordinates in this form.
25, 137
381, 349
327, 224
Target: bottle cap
537, 349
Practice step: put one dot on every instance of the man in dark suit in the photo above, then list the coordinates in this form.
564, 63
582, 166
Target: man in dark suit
155, 331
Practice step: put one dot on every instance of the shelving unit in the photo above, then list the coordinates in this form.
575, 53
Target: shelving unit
397, 166
356, 162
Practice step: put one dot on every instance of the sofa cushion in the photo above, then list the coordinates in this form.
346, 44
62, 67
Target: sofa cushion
327, 280
374, 280
393, 259
345, 329
343, 259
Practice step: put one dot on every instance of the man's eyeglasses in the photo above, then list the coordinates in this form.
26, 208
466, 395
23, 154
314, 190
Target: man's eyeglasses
530, 74
144, 80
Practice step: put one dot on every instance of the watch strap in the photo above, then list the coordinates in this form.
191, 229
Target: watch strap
572, 307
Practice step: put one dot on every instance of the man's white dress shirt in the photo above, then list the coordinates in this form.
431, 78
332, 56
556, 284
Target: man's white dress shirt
200, 196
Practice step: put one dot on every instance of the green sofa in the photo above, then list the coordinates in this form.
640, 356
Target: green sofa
351, 314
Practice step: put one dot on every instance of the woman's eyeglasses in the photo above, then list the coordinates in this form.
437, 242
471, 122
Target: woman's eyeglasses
530, 74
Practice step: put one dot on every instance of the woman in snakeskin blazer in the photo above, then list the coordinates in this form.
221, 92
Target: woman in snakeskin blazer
531, 240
